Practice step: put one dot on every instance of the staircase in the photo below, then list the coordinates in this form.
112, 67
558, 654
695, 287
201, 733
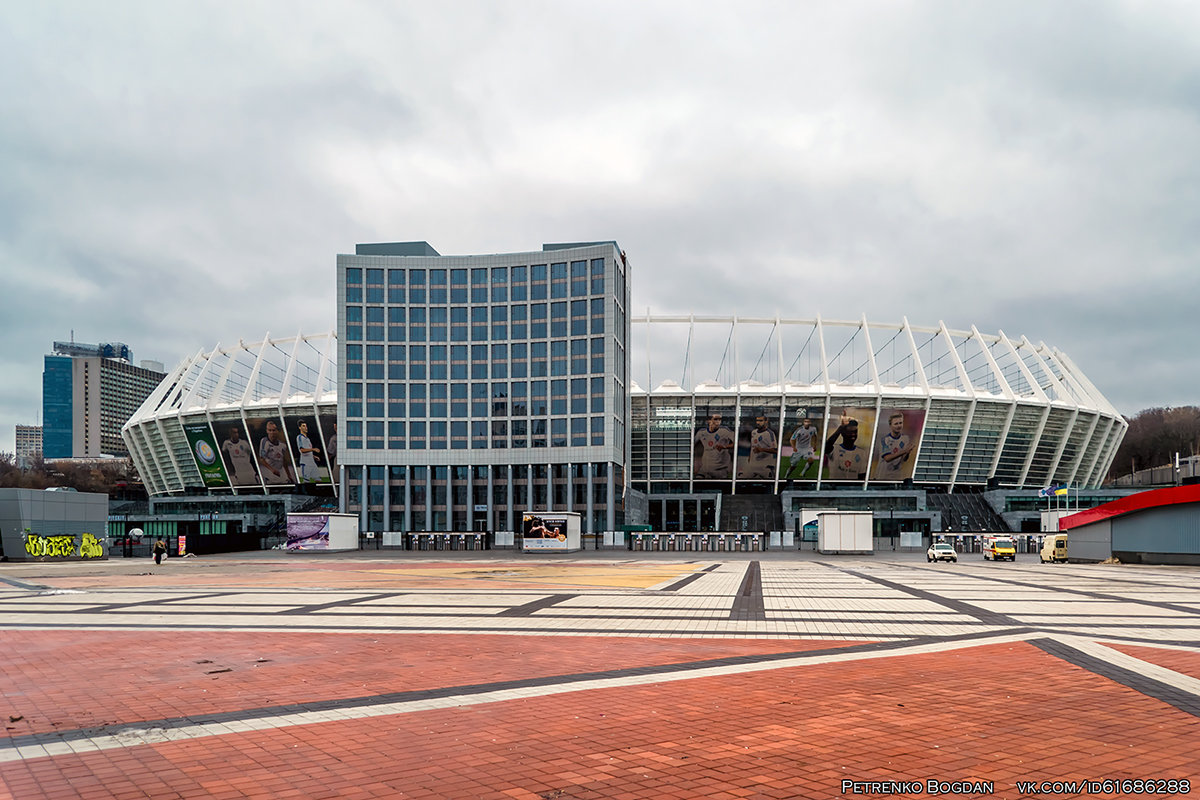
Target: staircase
980, 517
753, 513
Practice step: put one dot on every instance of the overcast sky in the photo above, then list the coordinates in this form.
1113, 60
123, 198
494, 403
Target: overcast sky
181, 174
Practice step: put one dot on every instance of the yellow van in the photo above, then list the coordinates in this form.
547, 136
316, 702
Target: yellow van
1054, 548
999, 548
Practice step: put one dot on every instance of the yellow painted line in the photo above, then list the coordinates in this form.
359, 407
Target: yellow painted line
624, 577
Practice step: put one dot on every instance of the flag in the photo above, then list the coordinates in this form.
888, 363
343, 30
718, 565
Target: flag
1060, 490
1047, 492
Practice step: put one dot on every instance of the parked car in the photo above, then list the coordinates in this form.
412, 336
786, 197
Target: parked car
940, 551
1054, 548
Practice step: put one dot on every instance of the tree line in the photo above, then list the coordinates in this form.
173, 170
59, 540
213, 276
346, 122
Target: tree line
1155, 435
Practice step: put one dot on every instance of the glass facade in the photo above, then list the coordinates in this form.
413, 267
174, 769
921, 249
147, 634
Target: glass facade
492, 364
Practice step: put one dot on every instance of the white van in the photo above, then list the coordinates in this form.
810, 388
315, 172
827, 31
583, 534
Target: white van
1054, 548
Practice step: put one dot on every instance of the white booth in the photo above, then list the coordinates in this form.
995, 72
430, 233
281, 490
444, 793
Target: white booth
550, 532
847, 532
322, 532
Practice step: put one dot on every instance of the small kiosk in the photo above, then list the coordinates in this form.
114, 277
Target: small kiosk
322, 532
550, 532
847, 532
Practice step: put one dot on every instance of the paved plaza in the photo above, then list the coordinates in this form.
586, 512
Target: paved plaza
596, 675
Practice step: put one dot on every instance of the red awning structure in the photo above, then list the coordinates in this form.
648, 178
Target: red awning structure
1154, 498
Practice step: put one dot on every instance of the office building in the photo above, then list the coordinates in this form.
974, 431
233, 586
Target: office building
28, 444
475, 388
88, 393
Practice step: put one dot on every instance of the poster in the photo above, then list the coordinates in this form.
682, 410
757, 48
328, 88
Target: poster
308, 532
271, 451
308, 451
896, 443
237, 453
713, 444
543, 532
758, 444
847, 445
204, 451
800, 454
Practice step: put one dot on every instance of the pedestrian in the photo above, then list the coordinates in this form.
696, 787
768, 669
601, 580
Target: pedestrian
160, 550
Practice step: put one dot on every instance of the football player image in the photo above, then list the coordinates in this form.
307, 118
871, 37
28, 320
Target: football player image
803, 461
764, 446
895, 447
845, 460
714, 449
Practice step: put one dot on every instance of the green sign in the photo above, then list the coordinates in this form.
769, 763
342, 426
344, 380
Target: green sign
204, 452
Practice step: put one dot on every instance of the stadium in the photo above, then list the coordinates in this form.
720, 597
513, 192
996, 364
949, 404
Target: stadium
975, 423
203, 429
971, 409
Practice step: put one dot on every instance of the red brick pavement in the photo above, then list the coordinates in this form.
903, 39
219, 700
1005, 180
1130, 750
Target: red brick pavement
998, 712
73, 679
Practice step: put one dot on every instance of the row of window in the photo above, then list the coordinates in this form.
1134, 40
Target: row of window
479, 276
516, 399
475, 435
476, 315
495, 284
476, 324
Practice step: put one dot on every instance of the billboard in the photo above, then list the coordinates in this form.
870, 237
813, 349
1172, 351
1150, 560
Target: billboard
307, 450
847, 445
896, 443
713, 444
237, 453
800, 455
758, 445
308, 532
203, 445
271, 450
557, 532
328, 424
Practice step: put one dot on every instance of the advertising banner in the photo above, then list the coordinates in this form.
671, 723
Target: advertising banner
307, 532
800, 455
237, 453
713, 444
896, 443
308, 452
544, 533
847, 445
271, 450
328, 424
758, 445
202, 443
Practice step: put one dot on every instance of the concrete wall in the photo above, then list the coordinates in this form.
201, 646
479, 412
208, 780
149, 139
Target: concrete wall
47, 525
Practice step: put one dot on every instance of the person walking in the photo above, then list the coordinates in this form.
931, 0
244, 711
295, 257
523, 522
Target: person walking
160, 550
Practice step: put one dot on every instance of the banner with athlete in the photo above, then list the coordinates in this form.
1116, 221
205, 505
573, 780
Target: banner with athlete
758, 444
847, 445
896, 443
800, 454
713, 444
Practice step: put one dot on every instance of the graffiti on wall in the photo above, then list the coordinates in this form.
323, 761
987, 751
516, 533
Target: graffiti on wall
63, 546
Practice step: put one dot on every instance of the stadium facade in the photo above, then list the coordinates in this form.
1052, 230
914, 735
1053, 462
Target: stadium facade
472, 389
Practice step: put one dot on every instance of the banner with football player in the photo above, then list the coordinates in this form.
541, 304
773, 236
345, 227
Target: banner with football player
847, 445
896, 443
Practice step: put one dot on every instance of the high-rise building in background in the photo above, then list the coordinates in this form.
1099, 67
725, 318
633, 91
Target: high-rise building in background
29, 443
88, 392
473, 388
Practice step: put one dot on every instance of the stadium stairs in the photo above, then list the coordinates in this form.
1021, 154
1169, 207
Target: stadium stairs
751, 512
980, 517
